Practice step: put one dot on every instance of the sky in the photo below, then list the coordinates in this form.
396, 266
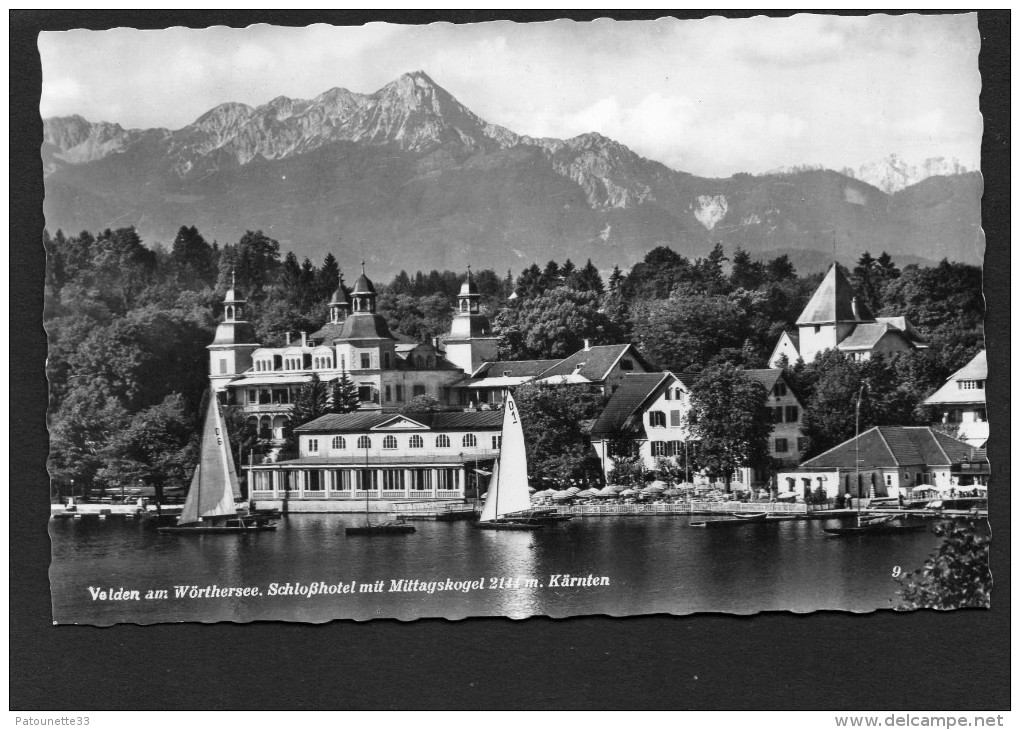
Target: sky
712, 97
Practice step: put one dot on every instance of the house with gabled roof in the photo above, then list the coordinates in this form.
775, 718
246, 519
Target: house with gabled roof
888, 461
644, 416
961, 402
835, 318
601, 365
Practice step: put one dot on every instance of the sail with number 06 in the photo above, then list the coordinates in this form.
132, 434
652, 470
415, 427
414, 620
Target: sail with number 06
508, 488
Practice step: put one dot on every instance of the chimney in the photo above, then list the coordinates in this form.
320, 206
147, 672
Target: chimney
435, 343
287, 335
304, 339
587, 344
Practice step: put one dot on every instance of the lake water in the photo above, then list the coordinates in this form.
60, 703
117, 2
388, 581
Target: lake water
653, 565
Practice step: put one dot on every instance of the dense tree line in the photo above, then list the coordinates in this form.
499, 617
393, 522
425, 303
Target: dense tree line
128, 324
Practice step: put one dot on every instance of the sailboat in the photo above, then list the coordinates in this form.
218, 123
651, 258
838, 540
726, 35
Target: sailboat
210, 505
379, 528
508, 501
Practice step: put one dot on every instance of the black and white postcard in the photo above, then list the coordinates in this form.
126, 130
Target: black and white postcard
515, 319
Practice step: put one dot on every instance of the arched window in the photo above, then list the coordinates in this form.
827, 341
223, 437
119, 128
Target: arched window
364, 442
442, 441
390, 442
417, 442
338, 443
469, 440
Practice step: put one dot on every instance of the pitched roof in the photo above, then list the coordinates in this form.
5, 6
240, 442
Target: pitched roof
440, 421
513, 368
765, 376
594, 363
891, 447
905, 326
833, 302
632, 392
365, 326
976, 369
866, 335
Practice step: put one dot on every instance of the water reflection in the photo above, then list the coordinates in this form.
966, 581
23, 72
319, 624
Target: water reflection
653, 565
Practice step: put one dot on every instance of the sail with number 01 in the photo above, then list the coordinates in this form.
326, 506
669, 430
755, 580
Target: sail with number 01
508, 488
214, 485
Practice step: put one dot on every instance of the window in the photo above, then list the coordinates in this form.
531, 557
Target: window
313, 446
400, 392
388, 399
668, 394
626, 364
980, 416
777, 414
801, 444
421, 479
386, 361
781, 446
365, 393
658, 448
442, 441
497, 441
366, 479
253, 396
366, 361
393, 479
390, 442
674, 419
678, 394
469, 440
419, 390
223, 366
791, 414
972, 385
676, 448
446, 478
338, 443
657, 419
343, 480
364, 442
888, 480
780, 388
416, 442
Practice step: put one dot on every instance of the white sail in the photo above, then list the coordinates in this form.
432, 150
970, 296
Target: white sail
213, 485
508, 488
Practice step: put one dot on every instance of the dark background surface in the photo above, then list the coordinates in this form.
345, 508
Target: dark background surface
890, 661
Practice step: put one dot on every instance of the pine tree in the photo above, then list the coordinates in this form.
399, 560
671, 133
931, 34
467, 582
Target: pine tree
615, 280
343, 395
327, 278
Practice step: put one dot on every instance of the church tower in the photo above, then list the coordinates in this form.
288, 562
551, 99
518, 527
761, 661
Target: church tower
830, 316
231, 350
470, 342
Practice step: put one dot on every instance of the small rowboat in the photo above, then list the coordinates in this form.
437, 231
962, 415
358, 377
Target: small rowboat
752, 517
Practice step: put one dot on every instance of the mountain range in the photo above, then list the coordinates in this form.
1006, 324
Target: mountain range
409, 178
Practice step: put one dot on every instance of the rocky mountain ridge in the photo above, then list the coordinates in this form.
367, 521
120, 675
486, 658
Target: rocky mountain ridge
414, 174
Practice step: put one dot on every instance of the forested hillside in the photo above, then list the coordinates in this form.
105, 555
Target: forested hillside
128, 326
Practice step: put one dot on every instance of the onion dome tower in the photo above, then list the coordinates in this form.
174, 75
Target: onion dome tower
339, 305
365, 342
231, 349
470, 342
